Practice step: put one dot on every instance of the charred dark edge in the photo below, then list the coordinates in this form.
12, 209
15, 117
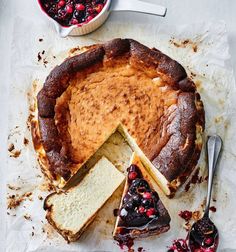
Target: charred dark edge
123, 239
58, 80
55, 84
170, 70
185, 159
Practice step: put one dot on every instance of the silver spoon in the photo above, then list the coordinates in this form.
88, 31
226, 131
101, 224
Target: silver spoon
204, 235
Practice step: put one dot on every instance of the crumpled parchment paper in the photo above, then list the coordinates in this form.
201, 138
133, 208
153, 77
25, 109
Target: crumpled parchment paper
202, 49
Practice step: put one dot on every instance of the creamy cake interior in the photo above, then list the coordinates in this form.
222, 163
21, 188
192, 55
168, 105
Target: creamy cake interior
70, 212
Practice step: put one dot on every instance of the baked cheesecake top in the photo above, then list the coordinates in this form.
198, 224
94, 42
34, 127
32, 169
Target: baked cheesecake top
120, 82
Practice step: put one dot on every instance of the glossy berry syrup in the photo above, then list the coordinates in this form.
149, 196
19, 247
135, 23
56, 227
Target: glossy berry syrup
203, 237
72, 12
140, 203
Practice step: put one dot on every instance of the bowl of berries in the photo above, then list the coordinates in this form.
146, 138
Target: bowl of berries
80, 17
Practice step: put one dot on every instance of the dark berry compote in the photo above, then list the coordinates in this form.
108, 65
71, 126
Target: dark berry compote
179, 245
141, 212
139, 206
203, 236
72, 12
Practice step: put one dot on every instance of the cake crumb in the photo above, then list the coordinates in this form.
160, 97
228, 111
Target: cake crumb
39, 57
27, 217
40, 197
196, 179
184, 44
15, 200
11, 147
213, 209
115, 212
13, 152
47, 187
26, 141
14, 188
73, 50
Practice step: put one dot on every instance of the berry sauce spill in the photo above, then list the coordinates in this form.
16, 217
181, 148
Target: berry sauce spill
203, 236
186, 215
140, 203
72, 12
179, 245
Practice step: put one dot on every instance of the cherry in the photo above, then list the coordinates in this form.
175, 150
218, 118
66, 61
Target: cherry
141, 209
150, 212
147, 195
61, 3
74, 21
208, 241
79, 7
89, 18
133, 175
90, 10
69, 9
99, 8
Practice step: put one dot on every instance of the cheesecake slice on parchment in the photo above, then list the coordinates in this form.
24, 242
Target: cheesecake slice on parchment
141, 213
71, 211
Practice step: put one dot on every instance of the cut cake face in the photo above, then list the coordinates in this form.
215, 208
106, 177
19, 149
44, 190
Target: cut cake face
141, 212
70, 212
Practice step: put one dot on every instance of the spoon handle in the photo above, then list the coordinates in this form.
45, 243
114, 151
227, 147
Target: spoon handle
138, 6
214, 145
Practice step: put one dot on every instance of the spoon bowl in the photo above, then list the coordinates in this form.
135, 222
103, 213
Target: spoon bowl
204, 236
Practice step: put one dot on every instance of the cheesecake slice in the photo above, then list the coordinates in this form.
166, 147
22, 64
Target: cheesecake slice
141, 212
71, 211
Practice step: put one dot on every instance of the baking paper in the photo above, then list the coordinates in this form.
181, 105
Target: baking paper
202, 49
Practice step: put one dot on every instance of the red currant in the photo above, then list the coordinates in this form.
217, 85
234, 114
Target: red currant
141, 209
99, 8
150, 212
79, 7
133, 175
61, 3
69, 9
89, 18
147, 195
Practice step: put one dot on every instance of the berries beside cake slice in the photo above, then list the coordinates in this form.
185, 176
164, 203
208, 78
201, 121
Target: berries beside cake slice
141, 212
70, 212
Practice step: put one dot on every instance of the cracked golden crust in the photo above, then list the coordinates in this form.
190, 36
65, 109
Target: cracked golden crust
174, 156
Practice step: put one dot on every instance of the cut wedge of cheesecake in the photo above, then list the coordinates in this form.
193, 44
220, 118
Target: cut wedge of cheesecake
141, 212
71, 211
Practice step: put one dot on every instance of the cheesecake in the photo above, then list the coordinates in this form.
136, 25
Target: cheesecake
123, 86
71, 211
141, 213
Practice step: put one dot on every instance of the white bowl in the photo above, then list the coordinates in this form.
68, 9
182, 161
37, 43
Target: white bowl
111, 5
